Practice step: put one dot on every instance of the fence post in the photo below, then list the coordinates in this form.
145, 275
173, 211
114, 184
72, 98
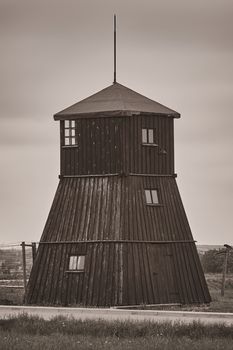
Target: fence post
24, 266
224, 272
33, 251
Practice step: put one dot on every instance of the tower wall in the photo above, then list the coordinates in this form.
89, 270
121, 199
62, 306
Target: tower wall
117, 232
108, 145
135, 253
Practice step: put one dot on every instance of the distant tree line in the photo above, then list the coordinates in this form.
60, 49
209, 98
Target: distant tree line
213, 260
11, 266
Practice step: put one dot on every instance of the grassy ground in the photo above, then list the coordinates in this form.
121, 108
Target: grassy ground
218, 304
33, 333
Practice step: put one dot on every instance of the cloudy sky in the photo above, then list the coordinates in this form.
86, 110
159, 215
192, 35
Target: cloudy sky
56, 52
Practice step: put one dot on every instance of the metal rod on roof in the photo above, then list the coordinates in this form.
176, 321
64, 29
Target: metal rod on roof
114, 81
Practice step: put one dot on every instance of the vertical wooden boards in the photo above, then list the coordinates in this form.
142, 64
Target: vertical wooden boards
150, 278
98, 149
135, 252
157, 158
114, 145
109, 221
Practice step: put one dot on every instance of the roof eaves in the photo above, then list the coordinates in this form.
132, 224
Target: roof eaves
108, 114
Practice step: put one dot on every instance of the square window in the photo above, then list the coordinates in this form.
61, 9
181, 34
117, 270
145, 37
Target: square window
76, 262
152, 196
148, 136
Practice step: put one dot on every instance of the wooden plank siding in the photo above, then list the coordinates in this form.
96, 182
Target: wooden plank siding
114, 145
114, 208
108, 220
135, 253
150, 274
98, 149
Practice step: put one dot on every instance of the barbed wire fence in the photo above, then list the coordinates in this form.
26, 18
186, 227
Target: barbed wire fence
16, 260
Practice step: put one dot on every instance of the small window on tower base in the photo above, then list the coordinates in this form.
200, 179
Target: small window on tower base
76, 263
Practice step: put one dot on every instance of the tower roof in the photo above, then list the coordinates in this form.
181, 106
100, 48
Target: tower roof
115, 100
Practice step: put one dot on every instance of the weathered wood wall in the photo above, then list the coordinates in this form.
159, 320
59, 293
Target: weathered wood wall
135, 253
114, 145
114, 207
118, 273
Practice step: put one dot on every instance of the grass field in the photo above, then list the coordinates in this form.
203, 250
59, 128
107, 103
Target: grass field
60, 333
218, 304
33, 333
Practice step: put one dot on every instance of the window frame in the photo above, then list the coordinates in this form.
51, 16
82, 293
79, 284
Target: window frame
69, 133
73, 263
148, 137
152, 197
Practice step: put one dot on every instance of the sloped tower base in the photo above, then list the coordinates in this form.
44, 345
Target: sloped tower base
134, 253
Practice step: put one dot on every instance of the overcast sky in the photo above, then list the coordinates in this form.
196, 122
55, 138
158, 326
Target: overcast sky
54, 53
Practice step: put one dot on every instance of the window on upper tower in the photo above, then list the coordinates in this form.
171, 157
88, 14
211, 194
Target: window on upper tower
76, 263
152, 196
70, 138
148, 137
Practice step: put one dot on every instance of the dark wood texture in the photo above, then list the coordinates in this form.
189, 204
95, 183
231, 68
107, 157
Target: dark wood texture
114, 145
107, 220
118, 274
135, 253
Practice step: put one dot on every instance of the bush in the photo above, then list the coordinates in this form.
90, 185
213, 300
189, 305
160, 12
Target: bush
213, 260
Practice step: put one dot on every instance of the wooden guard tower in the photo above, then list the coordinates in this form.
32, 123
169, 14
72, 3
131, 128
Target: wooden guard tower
117, 233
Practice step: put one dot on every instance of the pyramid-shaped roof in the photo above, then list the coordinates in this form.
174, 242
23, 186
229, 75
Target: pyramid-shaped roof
115, 100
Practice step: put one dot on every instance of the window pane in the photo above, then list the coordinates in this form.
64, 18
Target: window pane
148, 196
150, 136
67, 123
70, 133
81, 261
73, 263
155, 199
144, 135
